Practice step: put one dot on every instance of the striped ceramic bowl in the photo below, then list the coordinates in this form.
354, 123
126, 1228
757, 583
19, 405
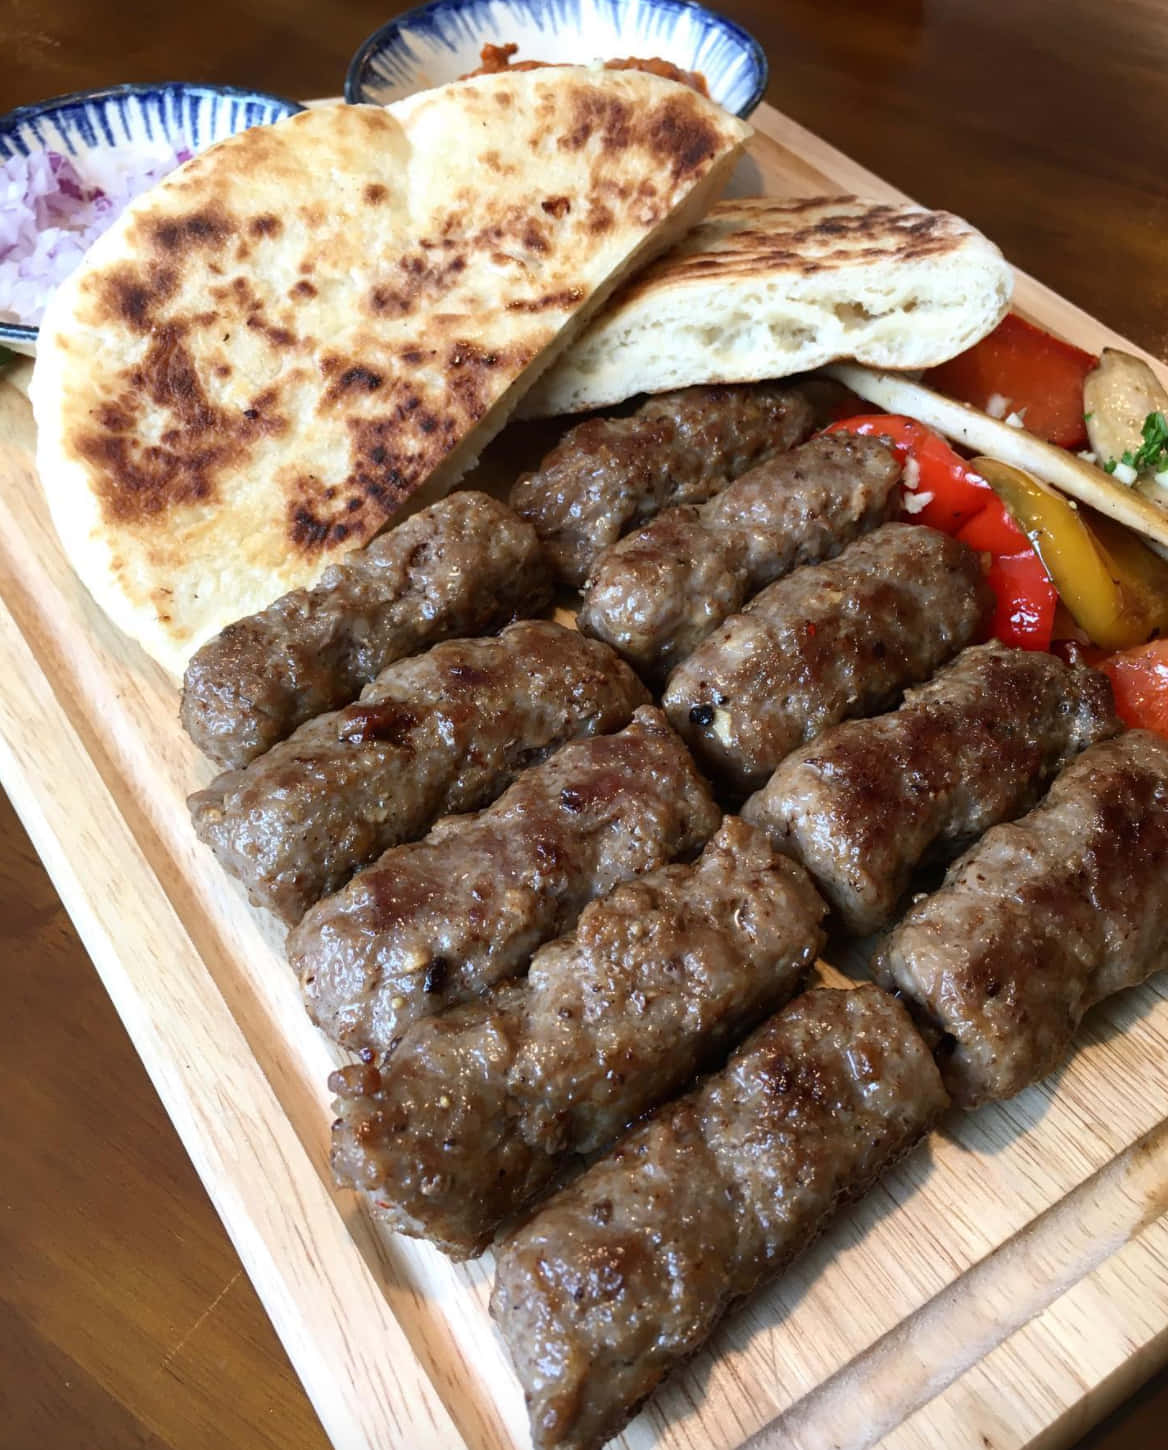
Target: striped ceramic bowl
441, 41
187, 117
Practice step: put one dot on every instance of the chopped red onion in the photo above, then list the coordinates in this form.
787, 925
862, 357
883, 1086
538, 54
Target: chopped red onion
53, 206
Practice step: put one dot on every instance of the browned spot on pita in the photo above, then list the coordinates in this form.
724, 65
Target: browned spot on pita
375, 193
557, 206
600, 218
421, 279
115, 417
534, 237
131, 293
307, 531
238, 293
566, 297
355, 379
596, 114
681, 136
134, 480
210, 227
261, 413
278, 337
265, 225
302, 291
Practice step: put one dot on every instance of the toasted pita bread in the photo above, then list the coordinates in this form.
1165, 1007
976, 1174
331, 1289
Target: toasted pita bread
277, 346
764, 288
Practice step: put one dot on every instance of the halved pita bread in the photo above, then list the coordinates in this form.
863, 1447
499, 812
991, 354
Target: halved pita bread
277, 346
764, 288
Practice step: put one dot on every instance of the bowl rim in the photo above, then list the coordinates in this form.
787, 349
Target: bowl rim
20, 115
12, 120
386, 33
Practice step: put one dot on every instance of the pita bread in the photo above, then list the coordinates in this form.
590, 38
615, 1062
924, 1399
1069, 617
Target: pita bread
276, 347
764, 288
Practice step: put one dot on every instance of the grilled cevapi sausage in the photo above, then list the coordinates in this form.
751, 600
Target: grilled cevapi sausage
432, 924
1042, 918
445, 731
870, 800
464, 566
475, 1111
830, 641
658, 592
609, 474
622, 1276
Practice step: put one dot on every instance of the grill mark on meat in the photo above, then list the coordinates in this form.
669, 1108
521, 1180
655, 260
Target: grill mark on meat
702, 1204
298, 821
660, 979
870, 800
387, 720
510, 877
1039, 920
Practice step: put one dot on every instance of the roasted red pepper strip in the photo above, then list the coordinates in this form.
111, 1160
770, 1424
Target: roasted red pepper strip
1039, 376
957, 491
993, 531
1139, 678
1026, 600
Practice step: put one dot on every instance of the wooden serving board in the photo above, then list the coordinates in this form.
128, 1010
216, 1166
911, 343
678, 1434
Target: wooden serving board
1001, 1290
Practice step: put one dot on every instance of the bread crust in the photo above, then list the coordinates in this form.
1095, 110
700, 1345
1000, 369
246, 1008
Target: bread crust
765, 289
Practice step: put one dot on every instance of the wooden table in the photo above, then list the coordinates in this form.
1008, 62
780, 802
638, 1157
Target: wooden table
125, 1319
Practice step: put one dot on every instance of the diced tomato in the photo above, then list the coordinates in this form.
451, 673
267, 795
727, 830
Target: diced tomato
993, 531
957, 491
1039, 376
1026, 600
1139, 678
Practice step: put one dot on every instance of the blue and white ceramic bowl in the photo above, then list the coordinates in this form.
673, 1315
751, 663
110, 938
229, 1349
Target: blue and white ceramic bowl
187, 117
441, 41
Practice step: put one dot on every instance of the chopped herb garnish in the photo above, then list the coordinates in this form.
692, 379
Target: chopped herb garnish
1109, 466
1152, 454
1087, 417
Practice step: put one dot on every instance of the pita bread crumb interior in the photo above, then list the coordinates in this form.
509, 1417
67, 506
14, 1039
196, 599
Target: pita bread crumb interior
765, 288
311, 323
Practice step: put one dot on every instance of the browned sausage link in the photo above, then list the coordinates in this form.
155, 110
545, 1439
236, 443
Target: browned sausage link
869, 801
1039, 920
658, 592
475, 1111
608, 474
829, 641
435, 923
463, 566
445, 731
623, 1275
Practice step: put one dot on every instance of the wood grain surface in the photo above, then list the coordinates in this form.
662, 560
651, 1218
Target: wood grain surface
125, 1318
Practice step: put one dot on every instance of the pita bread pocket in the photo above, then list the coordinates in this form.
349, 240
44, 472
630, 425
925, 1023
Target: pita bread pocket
312, 323
765, 288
